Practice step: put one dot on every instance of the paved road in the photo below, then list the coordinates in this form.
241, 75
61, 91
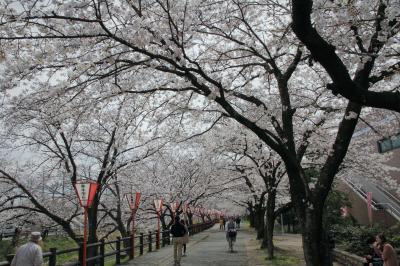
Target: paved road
207, 248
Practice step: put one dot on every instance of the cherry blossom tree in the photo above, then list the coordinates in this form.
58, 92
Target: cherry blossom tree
372, 29
53, 144
231, 57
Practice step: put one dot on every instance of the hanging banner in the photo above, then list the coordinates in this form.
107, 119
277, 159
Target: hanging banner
158, 204
369, 206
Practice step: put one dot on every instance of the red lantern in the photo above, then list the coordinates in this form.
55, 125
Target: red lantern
133, 205
86, 191
158, 203
174, 206
186, 208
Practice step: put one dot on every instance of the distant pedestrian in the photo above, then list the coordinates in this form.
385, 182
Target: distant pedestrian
29, 254
45, 233
178, 231
238, 220
385, 251
221, 223
185, 238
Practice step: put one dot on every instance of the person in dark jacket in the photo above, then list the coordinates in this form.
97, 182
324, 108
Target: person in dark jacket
178, 231
371, 258
238, 220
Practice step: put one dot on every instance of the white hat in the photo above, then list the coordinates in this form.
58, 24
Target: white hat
36, 236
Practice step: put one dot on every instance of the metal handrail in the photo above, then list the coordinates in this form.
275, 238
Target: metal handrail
375, 204
390, 195
361, 192
392, 210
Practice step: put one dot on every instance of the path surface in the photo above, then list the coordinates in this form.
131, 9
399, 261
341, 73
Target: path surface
208, 248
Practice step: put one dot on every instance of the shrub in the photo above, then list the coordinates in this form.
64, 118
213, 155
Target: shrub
353, 238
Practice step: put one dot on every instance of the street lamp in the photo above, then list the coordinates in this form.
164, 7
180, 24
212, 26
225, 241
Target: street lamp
158, 203
86, 191
133, 205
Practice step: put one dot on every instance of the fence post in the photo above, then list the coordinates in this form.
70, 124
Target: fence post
161, 235
163, 239
80, 255
102, 252
132, 251
118, 254
150, 244
53, 257
141, 243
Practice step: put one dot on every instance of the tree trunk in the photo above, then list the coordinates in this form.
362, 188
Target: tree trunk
316, 248
259, 225
251, 216
269, 225
190, 218
92, 228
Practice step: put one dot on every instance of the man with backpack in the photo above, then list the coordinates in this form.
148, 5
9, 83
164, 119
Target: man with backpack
178, 232
231, 232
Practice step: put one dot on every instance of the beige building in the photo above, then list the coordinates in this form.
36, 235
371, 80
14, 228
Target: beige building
385, 201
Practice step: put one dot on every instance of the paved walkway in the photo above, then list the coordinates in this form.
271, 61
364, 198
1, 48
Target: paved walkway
208, 248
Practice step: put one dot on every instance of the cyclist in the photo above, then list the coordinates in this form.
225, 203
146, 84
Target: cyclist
231, 232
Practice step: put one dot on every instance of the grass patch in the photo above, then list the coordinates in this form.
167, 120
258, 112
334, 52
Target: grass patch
61, 243
283, 260
4, 249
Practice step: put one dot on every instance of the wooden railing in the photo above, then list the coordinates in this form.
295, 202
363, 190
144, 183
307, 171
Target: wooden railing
121, 248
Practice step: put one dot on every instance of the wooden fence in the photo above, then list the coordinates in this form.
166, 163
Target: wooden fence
121, 247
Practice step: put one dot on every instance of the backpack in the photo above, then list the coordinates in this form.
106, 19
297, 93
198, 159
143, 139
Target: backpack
231, 229
231, 226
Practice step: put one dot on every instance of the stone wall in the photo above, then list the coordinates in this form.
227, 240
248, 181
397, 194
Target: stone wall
346, 258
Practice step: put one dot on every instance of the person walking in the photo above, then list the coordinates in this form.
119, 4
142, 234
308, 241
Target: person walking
221, 223
29, 254
185, 237
178, 231
238, 220
385, 251
231, 233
